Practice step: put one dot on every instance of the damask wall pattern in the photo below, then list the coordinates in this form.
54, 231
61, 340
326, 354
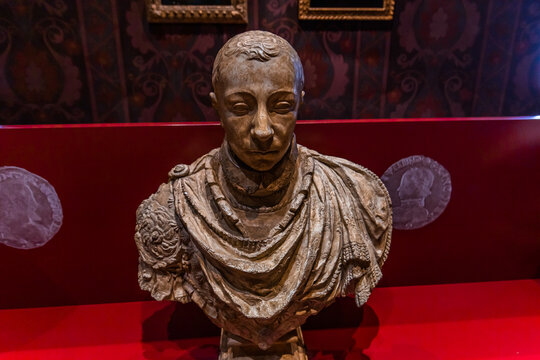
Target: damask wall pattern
99, 61
41, 64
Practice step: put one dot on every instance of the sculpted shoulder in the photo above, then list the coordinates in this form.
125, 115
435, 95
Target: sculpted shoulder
366, 189
183, 170
362, 179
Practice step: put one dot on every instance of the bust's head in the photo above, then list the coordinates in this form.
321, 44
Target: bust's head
258, 81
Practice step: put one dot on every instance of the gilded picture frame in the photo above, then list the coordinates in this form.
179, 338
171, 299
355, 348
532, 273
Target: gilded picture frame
161, 11
364, 11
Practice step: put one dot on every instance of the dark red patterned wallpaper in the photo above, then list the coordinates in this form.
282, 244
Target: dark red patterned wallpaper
99, 61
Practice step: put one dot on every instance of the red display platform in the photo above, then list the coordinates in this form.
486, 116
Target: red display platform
492, 320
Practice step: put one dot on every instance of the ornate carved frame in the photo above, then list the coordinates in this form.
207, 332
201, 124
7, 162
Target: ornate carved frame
236, 13
306, 12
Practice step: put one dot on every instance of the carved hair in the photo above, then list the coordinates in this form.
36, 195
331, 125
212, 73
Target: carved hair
257, 45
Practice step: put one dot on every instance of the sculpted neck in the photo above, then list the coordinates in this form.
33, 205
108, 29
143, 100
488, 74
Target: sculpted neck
254, 188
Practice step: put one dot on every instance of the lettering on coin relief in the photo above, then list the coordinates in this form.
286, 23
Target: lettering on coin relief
420, 189
30, 210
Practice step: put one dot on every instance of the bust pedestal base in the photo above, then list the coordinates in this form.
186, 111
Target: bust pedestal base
288, 347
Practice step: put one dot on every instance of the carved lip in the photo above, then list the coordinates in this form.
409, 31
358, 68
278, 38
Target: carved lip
261, 152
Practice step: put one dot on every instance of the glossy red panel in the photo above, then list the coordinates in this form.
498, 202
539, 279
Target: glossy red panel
489, 231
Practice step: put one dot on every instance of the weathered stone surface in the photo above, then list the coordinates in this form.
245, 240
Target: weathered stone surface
263, 233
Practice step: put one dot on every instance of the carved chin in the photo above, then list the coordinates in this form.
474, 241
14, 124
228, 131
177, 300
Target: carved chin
263, 164
261, 161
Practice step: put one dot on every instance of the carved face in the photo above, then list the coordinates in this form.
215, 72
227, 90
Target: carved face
257, 103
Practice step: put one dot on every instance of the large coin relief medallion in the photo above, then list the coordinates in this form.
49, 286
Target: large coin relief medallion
30, 210
420, 189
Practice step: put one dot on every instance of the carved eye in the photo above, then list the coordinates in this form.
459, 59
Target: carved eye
282, 107
240, 108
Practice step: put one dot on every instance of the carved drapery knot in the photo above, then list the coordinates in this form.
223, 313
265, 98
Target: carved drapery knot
178, 171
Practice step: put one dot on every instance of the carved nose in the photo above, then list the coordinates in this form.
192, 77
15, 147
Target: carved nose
262, 134
261, 131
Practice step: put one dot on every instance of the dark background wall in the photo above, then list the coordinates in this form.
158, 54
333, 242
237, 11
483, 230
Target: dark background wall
99, 61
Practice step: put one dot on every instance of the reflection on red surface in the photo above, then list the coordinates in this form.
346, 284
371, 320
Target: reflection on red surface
493, 320
489, 231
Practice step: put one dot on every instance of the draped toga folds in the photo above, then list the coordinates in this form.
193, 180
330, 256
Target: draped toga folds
329, 237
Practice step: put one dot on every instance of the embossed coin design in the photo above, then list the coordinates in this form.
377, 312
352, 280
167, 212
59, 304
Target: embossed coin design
30, 211
420, 189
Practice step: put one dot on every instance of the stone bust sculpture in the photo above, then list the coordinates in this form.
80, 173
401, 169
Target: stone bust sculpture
262, 233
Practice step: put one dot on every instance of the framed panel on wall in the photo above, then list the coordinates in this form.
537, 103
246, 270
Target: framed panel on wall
197, 11
346, 9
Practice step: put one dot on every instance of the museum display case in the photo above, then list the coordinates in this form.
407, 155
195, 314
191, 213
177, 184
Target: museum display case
464, 286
